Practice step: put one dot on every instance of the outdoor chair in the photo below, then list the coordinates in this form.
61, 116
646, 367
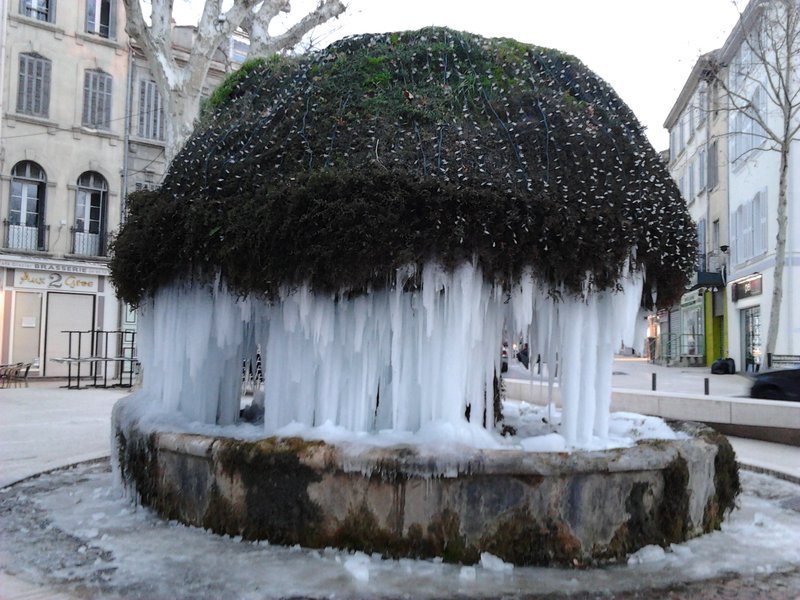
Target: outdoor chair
20, 375
8, 373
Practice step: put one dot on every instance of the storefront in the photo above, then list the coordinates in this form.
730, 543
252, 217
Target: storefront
41, 299
746, 296
692, 343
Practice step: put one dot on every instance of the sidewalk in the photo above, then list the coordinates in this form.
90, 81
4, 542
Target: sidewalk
44, 427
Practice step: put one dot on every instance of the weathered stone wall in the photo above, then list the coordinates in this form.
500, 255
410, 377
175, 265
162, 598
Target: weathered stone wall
527, 508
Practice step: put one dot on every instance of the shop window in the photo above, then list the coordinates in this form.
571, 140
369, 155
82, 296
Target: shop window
100, 18
25, 223
97, 99
90, 204
41, 10
33, 90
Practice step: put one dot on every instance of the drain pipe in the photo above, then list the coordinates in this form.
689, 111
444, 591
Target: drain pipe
127, 137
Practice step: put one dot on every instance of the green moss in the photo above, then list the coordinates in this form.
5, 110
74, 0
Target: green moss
140, 468
411, 146
727, 485
522, 539
661, 520
226, 89
447, 541
220, 516
277, 505
673, 510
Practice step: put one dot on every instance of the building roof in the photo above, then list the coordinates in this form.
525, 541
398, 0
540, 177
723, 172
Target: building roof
700, 72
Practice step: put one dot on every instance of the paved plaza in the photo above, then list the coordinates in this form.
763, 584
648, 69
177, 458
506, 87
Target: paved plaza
44, 427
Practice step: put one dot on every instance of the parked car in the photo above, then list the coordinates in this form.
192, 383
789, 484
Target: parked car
778, 384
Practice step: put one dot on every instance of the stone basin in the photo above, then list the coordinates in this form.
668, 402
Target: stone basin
524, 507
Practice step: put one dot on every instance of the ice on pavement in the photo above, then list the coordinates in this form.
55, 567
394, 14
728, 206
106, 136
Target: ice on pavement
137, 554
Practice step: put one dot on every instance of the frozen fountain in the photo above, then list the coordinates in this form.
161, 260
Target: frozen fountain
377, 218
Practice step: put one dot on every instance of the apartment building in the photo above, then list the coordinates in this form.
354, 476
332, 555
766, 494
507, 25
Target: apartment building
753, 170
728, 172
694, 332
62, 123
82, 125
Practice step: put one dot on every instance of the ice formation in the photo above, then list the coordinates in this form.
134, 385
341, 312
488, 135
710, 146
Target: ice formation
395, 359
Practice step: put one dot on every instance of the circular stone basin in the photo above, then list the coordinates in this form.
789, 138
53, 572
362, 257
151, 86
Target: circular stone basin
526, 508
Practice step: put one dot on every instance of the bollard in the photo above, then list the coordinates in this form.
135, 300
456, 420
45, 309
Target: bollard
654, 382
706, 385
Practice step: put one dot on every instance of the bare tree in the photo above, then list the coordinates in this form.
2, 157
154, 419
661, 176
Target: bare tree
180, 81
761, 84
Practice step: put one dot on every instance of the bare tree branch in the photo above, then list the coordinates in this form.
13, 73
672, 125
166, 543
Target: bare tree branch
180, 80
263, 44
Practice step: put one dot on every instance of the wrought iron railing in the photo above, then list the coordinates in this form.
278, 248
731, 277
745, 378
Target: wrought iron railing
26, 237
88, 244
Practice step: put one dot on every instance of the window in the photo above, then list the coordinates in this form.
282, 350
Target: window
41, 10
239, 49
33, 91
90, 204
747, 134
691, 189
151, 111
100, 18
97, 100
749, 228
26, 207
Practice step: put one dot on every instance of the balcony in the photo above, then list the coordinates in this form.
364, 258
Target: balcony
710, 272
88, 244
25, 237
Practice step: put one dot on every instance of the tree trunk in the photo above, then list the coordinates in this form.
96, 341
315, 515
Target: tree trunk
780, 251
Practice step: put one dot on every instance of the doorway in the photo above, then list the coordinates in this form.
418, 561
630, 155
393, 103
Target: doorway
66, 312
751, 339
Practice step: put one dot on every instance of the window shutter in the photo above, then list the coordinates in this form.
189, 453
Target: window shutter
712, 166
143, 108
91, 8
45, 93
762, 222
112, 19
107, 81
87, 96
22, 83
701, 171
701, 237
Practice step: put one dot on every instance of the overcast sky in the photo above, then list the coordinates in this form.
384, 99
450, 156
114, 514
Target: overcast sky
644, 48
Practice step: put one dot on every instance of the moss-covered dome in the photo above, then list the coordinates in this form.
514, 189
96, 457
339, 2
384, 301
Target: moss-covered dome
382, 150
